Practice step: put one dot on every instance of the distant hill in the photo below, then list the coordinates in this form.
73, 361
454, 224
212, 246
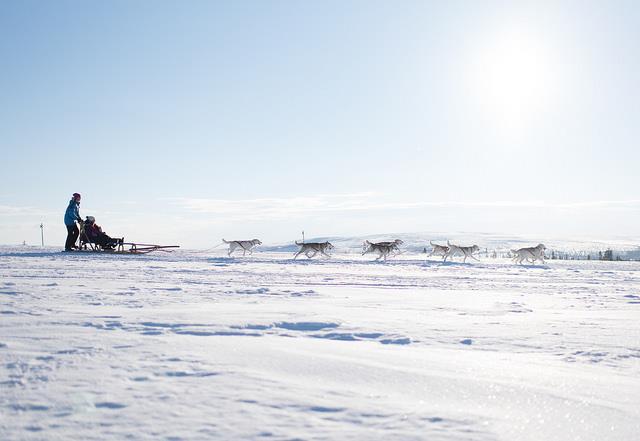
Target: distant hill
417, 242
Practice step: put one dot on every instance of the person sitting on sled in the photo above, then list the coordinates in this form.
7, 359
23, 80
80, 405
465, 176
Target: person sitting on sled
95, 234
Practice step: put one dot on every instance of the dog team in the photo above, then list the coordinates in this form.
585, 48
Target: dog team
392, 248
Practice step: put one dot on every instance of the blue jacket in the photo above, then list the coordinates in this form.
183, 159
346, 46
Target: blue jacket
73, 213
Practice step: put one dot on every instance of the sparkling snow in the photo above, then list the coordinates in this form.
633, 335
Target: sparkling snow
195, 346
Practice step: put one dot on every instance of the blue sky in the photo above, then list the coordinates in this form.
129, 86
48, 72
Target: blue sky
189, 121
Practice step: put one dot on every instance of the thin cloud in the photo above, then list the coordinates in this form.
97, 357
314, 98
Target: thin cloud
631, 203
10, 210
279, 207
303, 206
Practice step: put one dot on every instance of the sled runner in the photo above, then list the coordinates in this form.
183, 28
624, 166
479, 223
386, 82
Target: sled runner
94, 240
126, 248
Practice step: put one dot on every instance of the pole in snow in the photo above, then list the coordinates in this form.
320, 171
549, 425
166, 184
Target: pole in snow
42, 233
302, 236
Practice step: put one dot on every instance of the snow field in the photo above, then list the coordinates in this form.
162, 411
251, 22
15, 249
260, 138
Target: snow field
191, 346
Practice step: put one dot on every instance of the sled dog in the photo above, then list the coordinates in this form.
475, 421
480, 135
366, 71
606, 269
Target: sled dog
310, 249
465, 251
530, 254
384, 249
245, 245
395, 243
441, 250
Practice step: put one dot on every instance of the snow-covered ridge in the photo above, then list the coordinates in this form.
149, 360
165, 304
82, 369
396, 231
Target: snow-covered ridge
416, 242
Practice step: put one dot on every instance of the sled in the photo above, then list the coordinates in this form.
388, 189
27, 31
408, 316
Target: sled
119, 246
125, 248
141, 248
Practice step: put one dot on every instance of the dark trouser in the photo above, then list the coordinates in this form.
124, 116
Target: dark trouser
103, 240
72, 236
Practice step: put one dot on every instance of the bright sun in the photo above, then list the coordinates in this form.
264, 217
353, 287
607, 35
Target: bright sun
510, 78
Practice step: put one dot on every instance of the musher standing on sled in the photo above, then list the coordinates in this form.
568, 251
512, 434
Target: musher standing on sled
70, 217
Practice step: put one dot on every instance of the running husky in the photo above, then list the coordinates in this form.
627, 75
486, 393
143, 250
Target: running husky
245, 245
384, 249
465, 251
530, 254
395, 243
310, 249
441, 250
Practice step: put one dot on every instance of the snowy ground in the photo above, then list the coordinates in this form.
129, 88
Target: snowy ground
190, 346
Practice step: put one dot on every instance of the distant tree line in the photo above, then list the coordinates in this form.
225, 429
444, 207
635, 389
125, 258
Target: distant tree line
553, 254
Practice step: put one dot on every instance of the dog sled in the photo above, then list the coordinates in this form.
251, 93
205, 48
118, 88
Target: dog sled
93, 239
126, 248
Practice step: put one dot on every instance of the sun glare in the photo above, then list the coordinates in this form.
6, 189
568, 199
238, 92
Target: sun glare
510, 79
